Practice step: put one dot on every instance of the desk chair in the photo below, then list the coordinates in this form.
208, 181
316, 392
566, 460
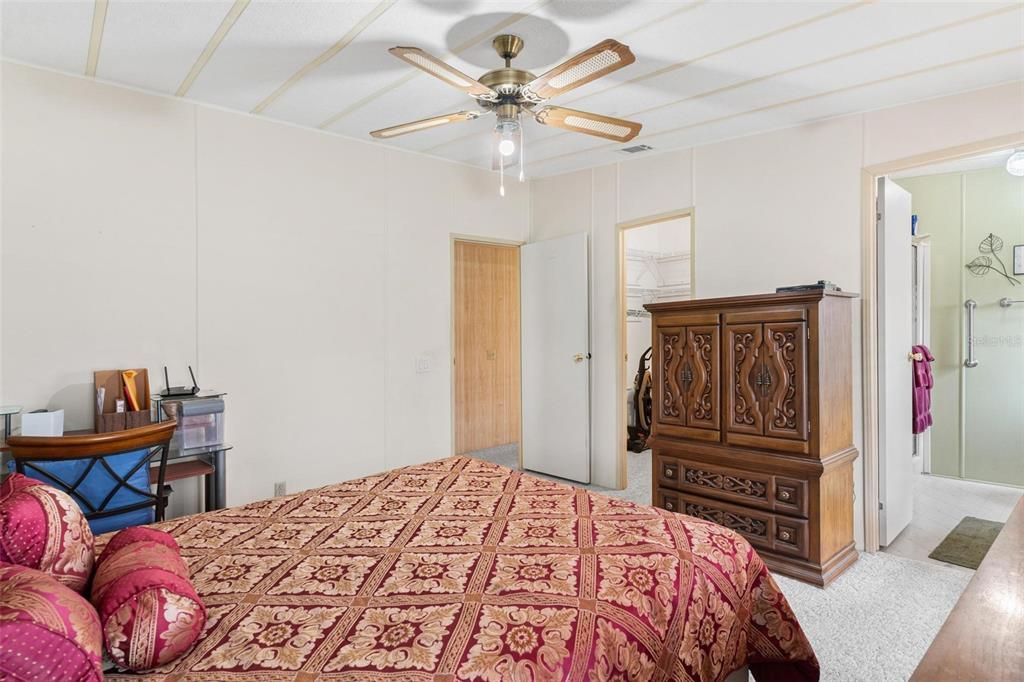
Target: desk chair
107, 474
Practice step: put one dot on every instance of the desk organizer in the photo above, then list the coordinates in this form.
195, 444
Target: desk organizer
108, 418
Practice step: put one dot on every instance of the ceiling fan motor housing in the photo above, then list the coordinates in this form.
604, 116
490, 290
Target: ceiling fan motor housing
507, 81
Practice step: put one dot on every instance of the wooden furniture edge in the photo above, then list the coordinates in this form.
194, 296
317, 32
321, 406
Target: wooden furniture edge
983, 636
754, 300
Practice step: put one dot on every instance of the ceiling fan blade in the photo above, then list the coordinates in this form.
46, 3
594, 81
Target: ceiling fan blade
438, 69
600, 60
423, 124
610, 128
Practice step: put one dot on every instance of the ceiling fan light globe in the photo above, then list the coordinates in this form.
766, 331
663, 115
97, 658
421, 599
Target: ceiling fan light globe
506, 147
1015, 164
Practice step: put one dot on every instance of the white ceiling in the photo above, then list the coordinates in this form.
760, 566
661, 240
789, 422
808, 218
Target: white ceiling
705, 70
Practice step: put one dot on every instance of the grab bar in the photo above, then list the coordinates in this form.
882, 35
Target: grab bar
1006, 302
970, 304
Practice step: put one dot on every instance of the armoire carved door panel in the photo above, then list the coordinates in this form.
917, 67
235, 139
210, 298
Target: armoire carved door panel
745, 377
701, 377
785, 379
669, 354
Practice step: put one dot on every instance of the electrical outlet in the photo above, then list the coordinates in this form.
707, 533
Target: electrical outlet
279, 489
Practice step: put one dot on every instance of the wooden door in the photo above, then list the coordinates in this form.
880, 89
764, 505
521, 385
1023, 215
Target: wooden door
784, 380
744, 370
487, 353
701, 377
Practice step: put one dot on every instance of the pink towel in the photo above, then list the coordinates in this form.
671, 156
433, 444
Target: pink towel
923, 383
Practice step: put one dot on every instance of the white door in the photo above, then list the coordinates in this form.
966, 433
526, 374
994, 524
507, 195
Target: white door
895, 371
556, 357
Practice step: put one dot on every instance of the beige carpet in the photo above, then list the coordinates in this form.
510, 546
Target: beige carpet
874, 623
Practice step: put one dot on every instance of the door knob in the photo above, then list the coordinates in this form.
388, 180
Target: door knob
579, 357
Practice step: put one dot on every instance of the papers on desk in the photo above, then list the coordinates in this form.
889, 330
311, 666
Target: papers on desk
43, 423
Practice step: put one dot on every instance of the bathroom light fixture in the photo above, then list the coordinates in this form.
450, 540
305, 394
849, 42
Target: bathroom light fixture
1015, 164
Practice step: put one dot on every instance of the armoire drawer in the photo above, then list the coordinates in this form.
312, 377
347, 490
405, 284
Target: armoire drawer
763, 530
748, 488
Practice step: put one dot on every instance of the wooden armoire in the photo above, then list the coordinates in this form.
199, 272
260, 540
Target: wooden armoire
752, 423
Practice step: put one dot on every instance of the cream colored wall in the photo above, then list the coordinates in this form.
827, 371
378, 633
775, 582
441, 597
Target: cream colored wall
771, 209
302, 272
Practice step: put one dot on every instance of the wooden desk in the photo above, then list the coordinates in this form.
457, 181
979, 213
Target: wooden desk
983, 638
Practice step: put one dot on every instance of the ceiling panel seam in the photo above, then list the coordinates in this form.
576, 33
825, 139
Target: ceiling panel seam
799, 100
99, 20
728, 48
211, 46
825, 60
326, 55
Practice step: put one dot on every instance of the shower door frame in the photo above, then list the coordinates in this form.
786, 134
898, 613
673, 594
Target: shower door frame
869, 307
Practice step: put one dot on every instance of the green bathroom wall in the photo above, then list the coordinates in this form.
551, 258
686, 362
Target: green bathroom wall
979, 412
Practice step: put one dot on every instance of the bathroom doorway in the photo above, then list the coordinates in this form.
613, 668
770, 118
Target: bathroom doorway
965, 227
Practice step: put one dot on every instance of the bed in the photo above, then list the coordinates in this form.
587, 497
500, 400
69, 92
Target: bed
463, 569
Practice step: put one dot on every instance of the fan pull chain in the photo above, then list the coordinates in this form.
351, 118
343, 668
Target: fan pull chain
501, 176
522, 155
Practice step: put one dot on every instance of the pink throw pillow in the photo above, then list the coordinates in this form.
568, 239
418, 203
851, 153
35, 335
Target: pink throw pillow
148, 608
42, 528
47, 632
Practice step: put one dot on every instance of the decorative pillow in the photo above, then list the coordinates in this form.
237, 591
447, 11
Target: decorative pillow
42, 528
47, 631
148, 608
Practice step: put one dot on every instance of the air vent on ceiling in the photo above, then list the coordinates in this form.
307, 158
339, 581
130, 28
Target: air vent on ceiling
636, 148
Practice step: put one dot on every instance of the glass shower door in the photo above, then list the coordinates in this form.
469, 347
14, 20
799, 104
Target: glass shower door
993, 390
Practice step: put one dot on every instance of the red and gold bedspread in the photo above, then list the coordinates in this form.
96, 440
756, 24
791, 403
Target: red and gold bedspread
462, 569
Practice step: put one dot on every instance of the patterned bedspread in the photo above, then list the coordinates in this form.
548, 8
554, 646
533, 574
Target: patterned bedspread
462, 569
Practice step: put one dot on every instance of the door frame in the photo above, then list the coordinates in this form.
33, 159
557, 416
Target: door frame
869, 306
620, 253
494, 241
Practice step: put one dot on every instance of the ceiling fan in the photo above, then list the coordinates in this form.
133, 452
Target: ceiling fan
508, 92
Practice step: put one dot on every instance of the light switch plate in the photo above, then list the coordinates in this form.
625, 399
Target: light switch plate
423, 363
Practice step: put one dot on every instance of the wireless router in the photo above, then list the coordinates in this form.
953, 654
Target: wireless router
179, 391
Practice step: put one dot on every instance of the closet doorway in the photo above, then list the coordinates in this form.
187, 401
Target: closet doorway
656, 265
486, 341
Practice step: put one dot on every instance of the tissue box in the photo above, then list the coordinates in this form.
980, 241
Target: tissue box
43, 423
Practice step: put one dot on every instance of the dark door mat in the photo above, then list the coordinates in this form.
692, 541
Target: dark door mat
968, 543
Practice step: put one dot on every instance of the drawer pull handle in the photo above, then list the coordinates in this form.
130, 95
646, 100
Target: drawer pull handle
783, 495
669, 506
670, 472
785, 535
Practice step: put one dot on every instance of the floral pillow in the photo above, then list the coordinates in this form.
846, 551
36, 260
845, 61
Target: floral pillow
149, 610
47, 631
42, 528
